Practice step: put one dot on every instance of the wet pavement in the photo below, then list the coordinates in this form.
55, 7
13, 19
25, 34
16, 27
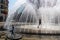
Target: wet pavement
37, 37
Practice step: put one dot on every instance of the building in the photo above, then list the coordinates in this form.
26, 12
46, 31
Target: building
3, 10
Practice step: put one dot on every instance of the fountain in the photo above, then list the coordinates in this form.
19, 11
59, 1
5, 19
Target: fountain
36, 14
50, 14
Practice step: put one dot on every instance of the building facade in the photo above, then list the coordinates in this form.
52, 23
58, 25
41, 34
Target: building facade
3, 10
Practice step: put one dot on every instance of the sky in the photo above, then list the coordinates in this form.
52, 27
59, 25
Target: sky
15, 3
11, 3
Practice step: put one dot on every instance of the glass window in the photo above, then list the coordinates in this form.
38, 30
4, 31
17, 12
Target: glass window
2, 11
2, 1
2, 7
1, 18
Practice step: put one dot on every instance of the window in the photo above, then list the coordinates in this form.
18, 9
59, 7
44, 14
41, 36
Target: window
2, 7
1, 18
2, 1
2, 11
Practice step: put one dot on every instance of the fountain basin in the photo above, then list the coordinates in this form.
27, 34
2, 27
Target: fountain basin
32, 29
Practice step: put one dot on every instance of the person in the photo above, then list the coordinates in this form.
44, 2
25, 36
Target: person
12, 30
39, 22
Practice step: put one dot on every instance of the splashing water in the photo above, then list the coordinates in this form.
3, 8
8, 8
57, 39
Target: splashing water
33, 10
